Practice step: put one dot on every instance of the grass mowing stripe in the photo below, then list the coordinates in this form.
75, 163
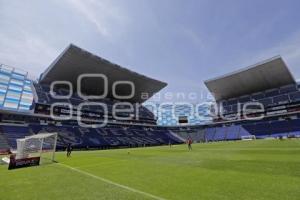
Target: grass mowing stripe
111, 182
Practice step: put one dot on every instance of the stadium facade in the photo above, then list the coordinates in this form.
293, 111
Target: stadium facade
15, 89
78, 95
175, 114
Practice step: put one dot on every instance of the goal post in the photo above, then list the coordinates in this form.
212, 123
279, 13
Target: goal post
248, 137
41, 145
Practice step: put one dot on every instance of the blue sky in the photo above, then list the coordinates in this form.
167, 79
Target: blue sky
180, 42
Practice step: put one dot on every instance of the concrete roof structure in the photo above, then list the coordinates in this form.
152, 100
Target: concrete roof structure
268, 74
74, 61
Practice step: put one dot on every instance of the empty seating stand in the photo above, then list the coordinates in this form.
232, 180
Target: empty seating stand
232, 132
107, 137
210, 133
269, 98
4, 146
44, 97
14, 132
220, 134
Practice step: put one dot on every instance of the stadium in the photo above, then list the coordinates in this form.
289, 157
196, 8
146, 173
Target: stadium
248, 150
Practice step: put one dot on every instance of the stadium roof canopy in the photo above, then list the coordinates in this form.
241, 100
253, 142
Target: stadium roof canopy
74, 61
268, 74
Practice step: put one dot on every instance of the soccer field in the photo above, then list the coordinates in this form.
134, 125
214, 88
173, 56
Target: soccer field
262, 169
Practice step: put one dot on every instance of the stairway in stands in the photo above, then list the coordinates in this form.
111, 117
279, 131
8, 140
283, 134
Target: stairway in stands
176, 137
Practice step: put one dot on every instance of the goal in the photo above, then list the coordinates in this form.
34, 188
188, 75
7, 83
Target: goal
42, 145
248, 137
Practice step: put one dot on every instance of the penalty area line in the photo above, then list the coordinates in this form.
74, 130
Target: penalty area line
111, 182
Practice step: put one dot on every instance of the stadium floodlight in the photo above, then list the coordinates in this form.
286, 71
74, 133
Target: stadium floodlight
42, 145
248, 137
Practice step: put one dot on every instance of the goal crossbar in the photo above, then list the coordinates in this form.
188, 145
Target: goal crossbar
248, 137
36, 145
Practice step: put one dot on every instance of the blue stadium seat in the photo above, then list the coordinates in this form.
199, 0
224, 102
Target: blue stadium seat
258, 96
244, 99
288, 89
232, 132
281, 99
266, 102
4, 146
106, 137
220, 133
13, 133
295, 96
210, 133
232, 101
272, 93
45, 98
245, 131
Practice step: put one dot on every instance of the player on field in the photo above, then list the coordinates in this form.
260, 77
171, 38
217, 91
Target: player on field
69, 150
189, 142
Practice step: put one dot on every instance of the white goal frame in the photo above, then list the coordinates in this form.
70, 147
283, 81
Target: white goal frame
34, 146
248, 137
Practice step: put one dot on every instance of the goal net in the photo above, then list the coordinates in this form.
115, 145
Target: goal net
248, 137
42, 145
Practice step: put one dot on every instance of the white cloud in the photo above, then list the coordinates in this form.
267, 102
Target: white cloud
27, 52
22, 44
102, 14
288, 49
193, 36
28, 42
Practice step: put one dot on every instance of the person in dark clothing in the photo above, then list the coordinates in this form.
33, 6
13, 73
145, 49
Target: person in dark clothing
189, 142
170, 143
12, 161
69, 150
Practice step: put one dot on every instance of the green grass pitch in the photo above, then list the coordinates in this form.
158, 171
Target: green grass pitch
261, 169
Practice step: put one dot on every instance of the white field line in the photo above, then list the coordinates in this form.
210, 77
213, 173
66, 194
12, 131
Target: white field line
112, 183
94, 165
197, 148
